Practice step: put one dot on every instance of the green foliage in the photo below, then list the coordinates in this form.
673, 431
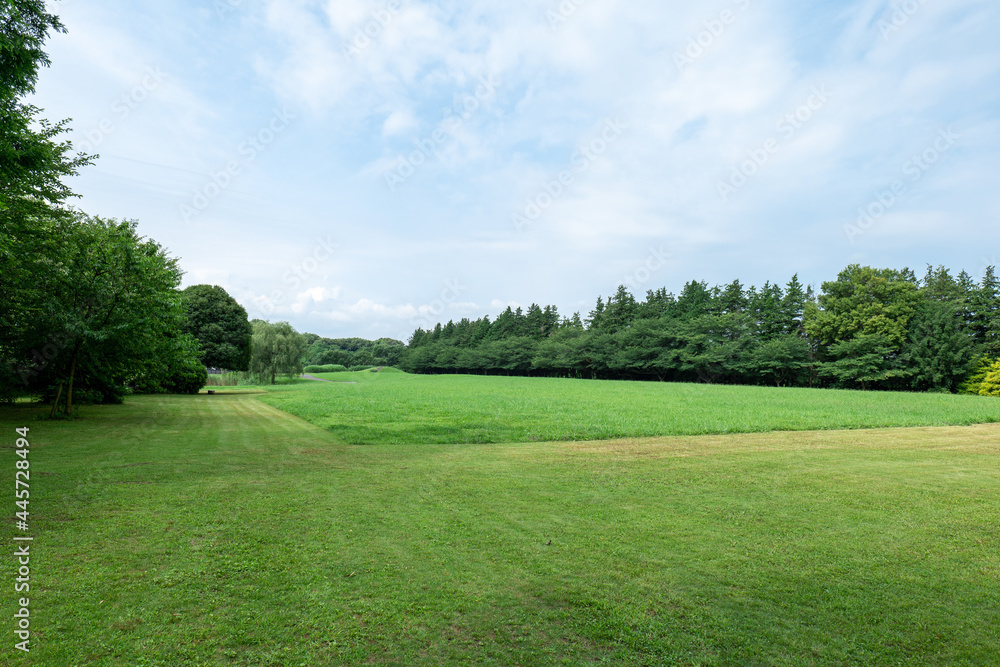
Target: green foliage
864, 301
349, 352
984, 313
939, 350
277, 350
990, 386
188, 375
977, 373
90, 307
871, 328
173, 368
221, 326
32, 162
863, 360
98, 310
781, 360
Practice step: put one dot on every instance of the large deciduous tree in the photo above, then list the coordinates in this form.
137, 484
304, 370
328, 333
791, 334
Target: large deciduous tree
221, 326
31, 193
864, 301
104, 312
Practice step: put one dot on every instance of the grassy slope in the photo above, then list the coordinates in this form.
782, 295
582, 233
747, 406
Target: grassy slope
411, 409
218, 530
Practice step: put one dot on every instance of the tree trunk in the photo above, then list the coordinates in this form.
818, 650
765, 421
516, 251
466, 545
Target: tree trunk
69, 389
55, 403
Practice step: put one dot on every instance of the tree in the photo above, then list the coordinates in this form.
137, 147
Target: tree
103, 301
620, 311
32, 163
864, 301
220, 325
985, 313
990, 385
277, 349
174, 368
780, 360
939, 351
793, 305
714, 346
768, 311
862, 360
31, 193
595, 320
978, 371
694, 301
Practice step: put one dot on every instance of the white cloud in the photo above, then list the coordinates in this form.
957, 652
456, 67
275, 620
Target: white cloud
359, 110
399, 122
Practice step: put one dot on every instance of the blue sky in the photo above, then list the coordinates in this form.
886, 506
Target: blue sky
361, 168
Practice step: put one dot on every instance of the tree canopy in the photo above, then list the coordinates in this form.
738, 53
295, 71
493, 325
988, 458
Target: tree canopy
277, 350
221, 326
99, 311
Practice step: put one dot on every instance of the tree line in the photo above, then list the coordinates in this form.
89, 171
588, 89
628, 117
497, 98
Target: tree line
91, 310
869, 328
352, 352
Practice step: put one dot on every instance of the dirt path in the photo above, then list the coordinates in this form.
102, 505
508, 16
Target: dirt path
306, 376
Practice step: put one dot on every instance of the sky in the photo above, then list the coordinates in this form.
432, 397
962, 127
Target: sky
367, 167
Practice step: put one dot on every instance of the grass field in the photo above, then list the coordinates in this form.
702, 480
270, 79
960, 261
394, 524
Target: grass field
386, 408
217, 530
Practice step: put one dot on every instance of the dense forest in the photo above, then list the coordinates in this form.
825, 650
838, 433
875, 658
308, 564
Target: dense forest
352, 352
869, 328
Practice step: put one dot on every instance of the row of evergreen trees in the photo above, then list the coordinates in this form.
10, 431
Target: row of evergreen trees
870, 328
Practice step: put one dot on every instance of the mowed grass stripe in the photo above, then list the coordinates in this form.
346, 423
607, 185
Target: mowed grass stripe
396, 408
249, 537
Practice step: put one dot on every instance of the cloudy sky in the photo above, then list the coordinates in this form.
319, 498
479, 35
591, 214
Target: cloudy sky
362, 167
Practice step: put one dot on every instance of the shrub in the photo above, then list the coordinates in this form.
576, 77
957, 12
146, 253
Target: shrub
990, 386
188, 378
979, 369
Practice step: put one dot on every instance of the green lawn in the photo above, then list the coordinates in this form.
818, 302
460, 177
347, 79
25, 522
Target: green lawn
383, 408
217, 530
